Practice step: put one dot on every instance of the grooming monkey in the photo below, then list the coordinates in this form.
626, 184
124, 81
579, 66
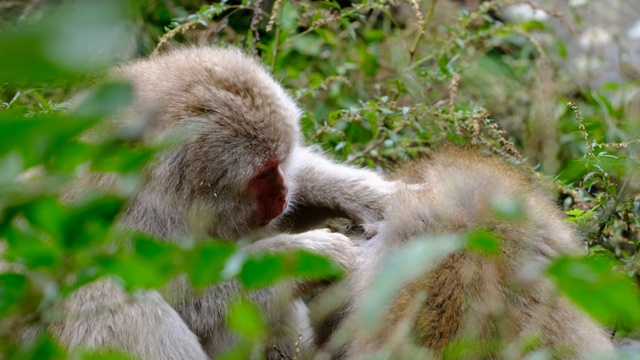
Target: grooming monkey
468, 297
240, 171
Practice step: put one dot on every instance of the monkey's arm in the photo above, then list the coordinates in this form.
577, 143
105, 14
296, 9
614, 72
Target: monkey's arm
102, 316
326, 189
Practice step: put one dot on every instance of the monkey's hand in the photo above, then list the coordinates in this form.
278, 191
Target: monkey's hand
360, 195
357, 231
334, 246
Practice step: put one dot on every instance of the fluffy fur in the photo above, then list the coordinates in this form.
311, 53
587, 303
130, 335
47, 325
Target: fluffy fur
232, 118
469, 296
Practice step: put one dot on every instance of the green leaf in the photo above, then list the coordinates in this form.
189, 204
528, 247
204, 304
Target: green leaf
484, 242
14, 288
31, 249
246, 320
48, 215
606, 294
204, 264
45, 347
39, 138
312, 266
121, 157
67, 41
532, 25
105, 355
105, 100
133, 271
91, 219
150, 263
262, 269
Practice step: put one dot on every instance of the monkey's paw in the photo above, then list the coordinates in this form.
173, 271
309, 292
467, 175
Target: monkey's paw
356, 231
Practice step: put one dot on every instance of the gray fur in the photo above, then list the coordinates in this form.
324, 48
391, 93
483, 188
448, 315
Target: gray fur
232, 117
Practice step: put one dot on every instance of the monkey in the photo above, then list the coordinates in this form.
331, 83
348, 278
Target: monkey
465, 296
238, 171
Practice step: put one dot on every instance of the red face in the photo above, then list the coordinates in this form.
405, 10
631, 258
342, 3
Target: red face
270, 191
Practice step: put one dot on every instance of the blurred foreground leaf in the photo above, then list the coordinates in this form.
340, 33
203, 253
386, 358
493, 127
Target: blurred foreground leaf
246, 320
402, 266
592, 283
13, 290
262, 269
71, 40
204, 264
484, 242
43, 348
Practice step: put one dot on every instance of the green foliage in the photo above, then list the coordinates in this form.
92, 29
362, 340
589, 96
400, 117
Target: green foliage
380, 85
484, 242
264, 269
606, 293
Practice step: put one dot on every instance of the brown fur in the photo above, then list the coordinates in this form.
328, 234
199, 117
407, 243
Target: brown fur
470, 296
233, 118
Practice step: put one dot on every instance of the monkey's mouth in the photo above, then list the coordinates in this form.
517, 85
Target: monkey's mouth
274, 209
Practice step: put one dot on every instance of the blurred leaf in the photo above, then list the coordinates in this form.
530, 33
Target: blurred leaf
309, 45
204, 264
11, 166
402, 266
484, 242
68, 41
148, 264
91, 219
39, 138
48, 215
122, 158
606, 294
45, 347
532, 25
134, 271
368, 62
30, 249
312, 266
14, 288
105, 100
262, 269
245, 319
105, 355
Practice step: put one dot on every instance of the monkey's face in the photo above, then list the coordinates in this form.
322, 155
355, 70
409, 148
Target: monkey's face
232, 182
270, 192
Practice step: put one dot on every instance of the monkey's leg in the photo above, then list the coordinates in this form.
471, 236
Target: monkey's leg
102, 316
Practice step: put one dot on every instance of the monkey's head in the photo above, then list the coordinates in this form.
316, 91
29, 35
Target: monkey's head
239, 127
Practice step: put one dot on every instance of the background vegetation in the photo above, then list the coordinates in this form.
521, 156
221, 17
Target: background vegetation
381, 82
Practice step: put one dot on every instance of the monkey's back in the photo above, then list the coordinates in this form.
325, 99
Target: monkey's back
476, 299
